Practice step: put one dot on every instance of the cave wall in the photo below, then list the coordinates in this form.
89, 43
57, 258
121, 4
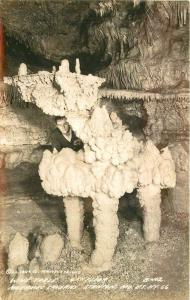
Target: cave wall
168, 125
140, 45
24, 130
144, 47
166, 122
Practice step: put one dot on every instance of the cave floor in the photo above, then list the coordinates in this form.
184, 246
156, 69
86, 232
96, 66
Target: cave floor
140, 270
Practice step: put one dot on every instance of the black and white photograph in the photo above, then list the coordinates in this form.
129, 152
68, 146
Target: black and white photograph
94, 150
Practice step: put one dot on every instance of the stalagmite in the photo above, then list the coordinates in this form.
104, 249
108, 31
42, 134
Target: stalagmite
64, 67
150, 199
74, 215
51, 248
113, 160
18, 252
106, 229
22, 70
77, 67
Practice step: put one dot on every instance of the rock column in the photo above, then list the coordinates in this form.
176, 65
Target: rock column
150, 199
106, 229
74, 215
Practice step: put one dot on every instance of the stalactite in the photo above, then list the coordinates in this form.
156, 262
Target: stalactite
130, 95
113, 161
179, 12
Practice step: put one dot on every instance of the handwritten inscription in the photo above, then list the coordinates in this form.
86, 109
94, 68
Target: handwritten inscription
79, 282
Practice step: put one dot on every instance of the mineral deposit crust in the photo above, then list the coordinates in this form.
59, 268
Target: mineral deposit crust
113, 161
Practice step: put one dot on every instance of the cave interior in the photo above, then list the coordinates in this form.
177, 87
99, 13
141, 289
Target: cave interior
141, 49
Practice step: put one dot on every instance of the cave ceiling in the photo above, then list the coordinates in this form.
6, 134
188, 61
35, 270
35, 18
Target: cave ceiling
141, 45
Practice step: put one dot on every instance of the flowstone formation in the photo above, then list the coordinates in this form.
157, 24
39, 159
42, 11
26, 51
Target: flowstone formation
113, 161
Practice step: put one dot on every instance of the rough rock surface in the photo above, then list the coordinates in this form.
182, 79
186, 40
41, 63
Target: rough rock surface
12, 156
134, 45
113, 161
22, 126
168, 120
22, 132
180, 194
165, 120
168, 124
133, 260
